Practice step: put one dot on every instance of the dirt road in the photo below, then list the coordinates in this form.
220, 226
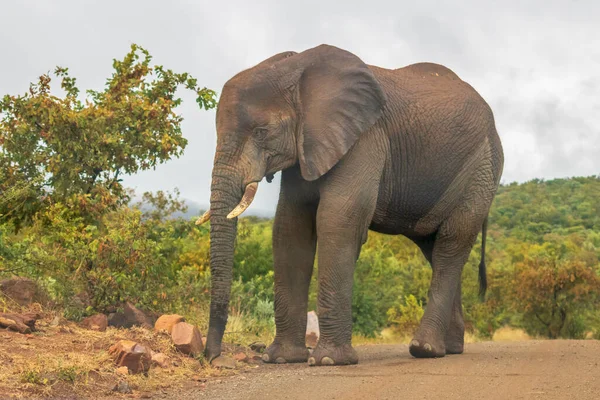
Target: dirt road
490, 370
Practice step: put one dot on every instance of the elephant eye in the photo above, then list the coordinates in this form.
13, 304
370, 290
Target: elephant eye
260, 133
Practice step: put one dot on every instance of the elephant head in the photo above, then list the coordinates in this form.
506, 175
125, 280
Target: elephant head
304, 108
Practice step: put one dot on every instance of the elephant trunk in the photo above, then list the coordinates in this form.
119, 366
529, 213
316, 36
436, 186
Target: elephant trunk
226, 204
225, 194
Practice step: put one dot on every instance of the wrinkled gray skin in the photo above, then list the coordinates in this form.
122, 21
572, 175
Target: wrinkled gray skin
411, 151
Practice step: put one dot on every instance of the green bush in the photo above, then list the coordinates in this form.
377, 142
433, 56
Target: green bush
144, 255
406, 314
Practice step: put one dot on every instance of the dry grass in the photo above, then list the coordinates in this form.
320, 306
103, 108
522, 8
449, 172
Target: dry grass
391, 336
510, 334
387, 336
239, 328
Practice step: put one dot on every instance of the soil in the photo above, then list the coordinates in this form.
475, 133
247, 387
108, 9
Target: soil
559, 369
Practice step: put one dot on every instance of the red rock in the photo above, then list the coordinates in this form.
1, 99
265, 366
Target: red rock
22, 291
165, 323
129, 317
223, 362
23, 323
97, 322
132, 355
187, 339
241, 356
160, 359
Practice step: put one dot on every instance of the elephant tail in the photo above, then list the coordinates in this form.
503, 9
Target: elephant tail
482, 267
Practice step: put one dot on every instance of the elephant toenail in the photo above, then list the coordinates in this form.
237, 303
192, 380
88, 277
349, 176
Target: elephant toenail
311, 361
265, 358
327, 361
427, 347
414, 343
280, 360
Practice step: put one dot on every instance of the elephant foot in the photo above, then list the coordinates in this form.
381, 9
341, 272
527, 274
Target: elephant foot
455, 337
325, 354
455, 341
278, 353
454, 347
421, 347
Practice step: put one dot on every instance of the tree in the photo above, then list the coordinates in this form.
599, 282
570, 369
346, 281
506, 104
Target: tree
72, 150
554, 289
162, 205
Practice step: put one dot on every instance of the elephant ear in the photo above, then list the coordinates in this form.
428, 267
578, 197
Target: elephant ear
340, 99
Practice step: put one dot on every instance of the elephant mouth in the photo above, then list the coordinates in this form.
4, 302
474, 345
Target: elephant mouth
242, 206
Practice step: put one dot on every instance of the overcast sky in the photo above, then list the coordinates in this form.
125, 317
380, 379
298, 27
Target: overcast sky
537, 63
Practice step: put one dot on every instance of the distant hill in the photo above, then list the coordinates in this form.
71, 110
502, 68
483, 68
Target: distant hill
196, 209
540, 206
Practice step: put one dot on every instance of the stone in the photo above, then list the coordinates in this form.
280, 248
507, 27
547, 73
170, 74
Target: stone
122, 387
97, 322
13, 324
312, 329
187, 339
22, 323
57, 321
130, 316
259, 347
311, 340
223, 362
134, 356
65, 329
241, 356
22, 291
165, 323
160, 359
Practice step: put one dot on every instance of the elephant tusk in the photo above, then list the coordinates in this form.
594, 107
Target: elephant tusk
205, 217
247, 198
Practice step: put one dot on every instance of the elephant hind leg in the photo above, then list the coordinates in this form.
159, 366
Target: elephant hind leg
455, 336
454, 340
442, 322
426, 245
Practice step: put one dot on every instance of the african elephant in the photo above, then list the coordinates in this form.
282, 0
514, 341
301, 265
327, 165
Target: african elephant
411, 151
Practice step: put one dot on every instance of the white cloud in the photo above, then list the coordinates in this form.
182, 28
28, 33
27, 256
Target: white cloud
535, 62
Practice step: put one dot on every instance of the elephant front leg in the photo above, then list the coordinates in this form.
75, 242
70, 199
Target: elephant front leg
338, 251
342, 226
294, 242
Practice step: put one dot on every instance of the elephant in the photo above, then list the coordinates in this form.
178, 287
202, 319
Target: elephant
411, 151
